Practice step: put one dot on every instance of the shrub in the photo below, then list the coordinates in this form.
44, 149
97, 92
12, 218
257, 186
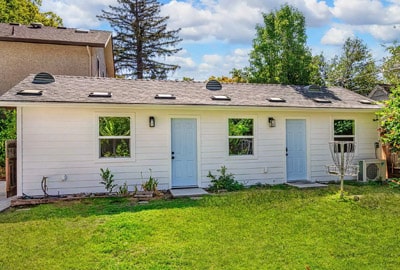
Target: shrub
151, 184
224, 181
123, 190
108, 179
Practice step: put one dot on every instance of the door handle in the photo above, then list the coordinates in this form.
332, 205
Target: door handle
286, 151
172, 155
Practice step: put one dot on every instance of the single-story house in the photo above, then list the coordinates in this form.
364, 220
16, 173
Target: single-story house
381, 92
69, 127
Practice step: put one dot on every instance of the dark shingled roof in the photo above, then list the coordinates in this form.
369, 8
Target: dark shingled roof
74, 89
53, 35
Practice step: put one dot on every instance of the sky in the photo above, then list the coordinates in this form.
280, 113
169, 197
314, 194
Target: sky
218, 34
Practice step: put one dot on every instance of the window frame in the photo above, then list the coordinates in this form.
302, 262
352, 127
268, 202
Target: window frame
253, 137
344, 136
129, 137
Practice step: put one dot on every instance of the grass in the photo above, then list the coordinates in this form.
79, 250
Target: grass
270, 228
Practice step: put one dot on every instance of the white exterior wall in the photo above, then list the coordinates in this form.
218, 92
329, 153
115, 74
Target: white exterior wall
56, 141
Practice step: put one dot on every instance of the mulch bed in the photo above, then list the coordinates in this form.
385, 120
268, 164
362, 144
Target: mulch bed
27, 201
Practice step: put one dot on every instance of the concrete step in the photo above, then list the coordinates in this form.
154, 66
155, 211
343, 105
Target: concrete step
187, 192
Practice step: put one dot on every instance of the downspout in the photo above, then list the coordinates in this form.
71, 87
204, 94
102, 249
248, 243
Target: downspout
90, 60
20, 157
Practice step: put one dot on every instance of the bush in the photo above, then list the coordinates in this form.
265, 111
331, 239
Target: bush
108, 179
224, 181
123, 190
151, 184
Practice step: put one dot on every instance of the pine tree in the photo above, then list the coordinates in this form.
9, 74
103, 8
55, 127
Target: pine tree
142, 39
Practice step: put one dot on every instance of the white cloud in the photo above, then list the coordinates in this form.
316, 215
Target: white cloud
183, 59
317, 13
385, 33
233, 20
336, 36
77, 13
214, 65
363, 12
233, 23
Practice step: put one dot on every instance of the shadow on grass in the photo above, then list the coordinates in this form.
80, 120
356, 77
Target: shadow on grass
255, 196
90, 207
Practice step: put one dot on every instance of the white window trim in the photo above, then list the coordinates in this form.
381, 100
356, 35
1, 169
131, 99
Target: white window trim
354, 136
131, 138
252, 156
343, 136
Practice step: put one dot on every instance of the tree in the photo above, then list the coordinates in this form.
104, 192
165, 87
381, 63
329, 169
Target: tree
8, 130
389, 117
26, 12
318, 70
141, 39
239, 75
391, 65
355, 68
280, 54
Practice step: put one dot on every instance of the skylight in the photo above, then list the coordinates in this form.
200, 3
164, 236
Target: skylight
322, 100
366, 101
275, 99
164, 96
100, 94
313, 88
82, 31
220, 98
30, 92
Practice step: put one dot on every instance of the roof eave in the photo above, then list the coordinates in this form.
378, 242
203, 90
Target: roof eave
54, 42
187, 106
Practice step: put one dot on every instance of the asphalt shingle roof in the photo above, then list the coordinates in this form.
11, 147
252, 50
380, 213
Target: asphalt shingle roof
74, 89
53, 35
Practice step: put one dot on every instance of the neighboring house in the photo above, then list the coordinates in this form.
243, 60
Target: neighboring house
180, 130
380, 92
36, 48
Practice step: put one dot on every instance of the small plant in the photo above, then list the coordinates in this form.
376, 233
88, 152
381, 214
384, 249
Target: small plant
108, 179
224, 181
151, 184
2, 172
123, 190
394, 183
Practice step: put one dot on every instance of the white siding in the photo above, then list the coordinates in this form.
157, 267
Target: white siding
59, 141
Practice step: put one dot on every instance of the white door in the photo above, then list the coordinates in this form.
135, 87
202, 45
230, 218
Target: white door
184, 152
296, 150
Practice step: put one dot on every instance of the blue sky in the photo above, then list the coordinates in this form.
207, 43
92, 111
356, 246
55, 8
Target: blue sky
217, 34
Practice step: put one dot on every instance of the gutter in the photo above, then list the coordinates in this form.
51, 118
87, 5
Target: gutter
90, 60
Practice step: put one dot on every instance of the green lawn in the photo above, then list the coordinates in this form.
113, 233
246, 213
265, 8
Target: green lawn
278, 228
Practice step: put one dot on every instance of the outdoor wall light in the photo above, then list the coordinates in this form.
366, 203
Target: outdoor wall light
271, 122
152, 121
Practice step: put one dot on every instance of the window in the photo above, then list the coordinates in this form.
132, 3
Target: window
241, 137
344, 131
114, 137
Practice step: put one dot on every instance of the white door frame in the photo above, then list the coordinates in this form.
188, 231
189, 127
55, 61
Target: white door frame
307, 143
198, 129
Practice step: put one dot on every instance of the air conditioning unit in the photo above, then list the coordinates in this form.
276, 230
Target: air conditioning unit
372, 170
